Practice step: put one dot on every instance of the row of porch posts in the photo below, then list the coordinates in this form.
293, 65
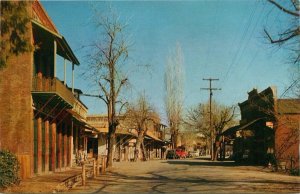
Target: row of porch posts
59, 153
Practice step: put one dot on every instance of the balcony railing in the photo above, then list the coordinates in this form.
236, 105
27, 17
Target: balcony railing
80, 109
52, 85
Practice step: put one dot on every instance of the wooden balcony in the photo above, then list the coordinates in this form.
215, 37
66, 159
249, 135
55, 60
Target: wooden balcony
52, 91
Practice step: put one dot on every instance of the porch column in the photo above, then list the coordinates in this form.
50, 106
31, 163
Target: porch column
73, 78
59, 150
65, 71
126, 153
54, 56
39, 145
53, 147
85, 144
65, 145
75, 147
71, 144
46, 146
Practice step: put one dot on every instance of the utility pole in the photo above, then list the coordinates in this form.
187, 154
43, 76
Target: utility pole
212, 131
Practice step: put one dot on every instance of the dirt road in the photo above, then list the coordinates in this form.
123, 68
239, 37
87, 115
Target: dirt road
190, 175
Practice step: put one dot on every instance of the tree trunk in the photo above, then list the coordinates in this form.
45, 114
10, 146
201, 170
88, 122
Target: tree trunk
144, 151
111, 142
138, 149
175, 137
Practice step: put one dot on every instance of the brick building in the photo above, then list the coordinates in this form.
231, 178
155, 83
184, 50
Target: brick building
268, 127
287, 132
42, 120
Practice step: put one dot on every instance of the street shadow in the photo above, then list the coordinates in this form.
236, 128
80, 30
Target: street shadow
208, 162
158, 183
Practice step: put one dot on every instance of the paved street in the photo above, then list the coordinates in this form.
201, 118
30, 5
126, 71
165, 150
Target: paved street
191, 175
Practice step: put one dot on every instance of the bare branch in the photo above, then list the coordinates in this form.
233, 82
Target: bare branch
297, 14
120, 86
296, 32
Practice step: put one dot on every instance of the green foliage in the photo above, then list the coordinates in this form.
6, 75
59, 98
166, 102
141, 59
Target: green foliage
9, 167
295, 172
14, 20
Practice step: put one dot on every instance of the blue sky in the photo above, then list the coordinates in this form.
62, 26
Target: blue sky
219, 39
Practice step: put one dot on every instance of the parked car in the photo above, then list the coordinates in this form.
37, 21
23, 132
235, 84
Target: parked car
171, 154
181, 153
193, 154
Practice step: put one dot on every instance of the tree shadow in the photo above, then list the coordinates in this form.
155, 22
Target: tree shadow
208, 162
158, 183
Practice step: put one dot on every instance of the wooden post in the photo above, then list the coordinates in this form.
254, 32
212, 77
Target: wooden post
71, 144
105, 160
59, 151
83, 173
73, 78
97, 167
65, 145
126, 153
53, 147
94, 167
65, 71
54, 57
39, 142
102, 164
46, 146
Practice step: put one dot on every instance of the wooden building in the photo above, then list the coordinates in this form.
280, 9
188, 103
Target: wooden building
126, 139
42, 120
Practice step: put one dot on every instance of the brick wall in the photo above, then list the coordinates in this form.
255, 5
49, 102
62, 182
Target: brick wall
287, 139
16, 126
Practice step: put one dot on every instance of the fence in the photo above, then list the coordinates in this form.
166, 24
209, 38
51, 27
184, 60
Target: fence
90, 169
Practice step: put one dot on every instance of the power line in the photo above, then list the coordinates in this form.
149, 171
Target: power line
247, 26
210, 120
292, 85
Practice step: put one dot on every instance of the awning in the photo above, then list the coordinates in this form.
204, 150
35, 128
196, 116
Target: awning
87, 127
151, 136
234, 129
47, 36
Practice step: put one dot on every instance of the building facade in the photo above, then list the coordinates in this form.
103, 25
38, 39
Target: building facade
42, 120
126, 139
268, 131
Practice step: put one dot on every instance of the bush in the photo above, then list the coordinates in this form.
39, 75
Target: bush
295, 172
9, 167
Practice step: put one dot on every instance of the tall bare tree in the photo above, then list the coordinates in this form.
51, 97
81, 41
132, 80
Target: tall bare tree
174, 83
107, 56
140, 115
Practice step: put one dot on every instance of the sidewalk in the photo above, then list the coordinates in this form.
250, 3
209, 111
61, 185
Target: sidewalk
45, 183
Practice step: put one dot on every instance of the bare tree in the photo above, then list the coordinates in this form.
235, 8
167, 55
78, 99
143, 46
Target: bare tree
189, 138
174, 78
140, 116
222, 117
291, 34
289, 38
107, 56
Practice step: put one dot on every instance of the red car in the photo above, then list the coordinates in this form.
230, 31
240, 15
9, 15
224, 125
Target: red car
181, 153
